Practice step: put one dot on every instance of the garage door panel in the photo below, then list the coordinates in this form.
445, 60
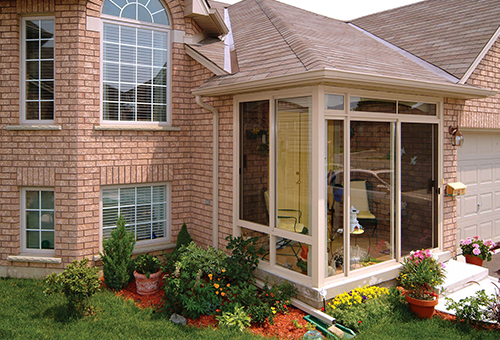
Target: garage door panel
469, 175
486, 230
484, 143
486, 173
497, 200
496, 230
470, 231
497, 172
486, 201
470, 205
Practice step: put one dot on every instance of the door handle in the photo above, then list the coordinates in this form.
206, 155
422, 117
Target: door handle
479, 205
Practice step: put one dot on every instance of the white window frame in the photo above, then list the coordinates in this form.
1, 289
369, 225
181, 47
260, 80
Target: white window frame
23, 72
150, 26
24, 249
168, 204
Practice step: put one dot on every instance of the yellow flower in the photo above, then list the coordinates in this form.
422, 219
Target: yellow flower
216, 285
217, 292
228, 285
223, 270
210, 276
222, 294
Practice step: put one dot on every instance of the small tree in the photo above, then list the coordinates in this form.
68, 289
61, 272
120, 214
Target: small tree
117, 256
183, 237
78, 282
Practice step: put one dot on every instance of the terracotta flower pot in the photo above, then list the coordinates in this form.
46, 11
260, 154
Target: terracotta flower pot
472, 259
147, 286
423, 308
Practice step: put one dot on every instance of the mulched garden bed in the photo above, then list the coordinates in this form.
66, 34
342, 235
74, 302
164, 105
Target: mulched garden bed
283, 327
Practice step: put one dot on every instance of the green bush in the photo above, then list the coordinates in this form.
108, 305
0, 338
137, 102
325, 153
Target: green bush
183, 237
78, 282
118, 265
243, 260
238, 319
147, 264
471, 308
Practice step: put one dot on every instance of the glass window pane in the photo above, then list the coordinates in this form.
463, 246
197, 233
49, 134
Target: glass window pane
261, 244
47, 110
47, 27
111, 52
110, 198
414, 108
128, 73
111, 32
143, 14
32, 200
159, 113
32, 110
32, 90
47, 200
128, 93
159, 58
143, 195
47, 49
47, 220
144, 56
46, 90
128, 34
161, 18
160, 95
160, 76
111, 72
127, 54
254, 162
129, 11
47, 70
32, 49
334, 102
110, 111
109, 217
127, 112
32, 220
32, 70
371, 224
47, 239
293, 161
372, 105
33, 240
159, 194
158, 229
144, 112
127, 196
111, 8
335, 195
144, 76
111, 91
144, 37
159, 212
160, 40
32, 29
143, 213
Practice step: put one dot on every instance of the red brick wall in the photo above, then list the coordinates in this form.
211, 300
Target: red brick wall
77, 160
484, 113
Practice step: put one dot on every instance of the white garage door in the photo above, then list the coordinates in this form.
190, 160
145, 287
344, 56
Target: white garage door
478, 210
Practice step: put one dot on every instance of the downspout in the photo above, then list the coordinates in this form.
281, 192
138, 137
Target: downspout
215, 165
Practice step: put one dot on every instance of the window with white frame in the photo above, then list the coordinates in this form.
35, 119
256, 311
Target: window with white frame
37, 219
38, 70
145, 209
136, 62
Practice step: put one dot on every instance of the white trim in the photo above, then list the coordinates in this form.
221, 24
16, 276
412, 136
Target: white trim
434, 69
29, 252
351, 80
480, 57
158, 243
207, 63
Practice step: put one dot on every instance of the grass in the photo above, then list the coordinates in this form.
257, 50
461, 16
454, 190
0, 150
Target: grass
26, 313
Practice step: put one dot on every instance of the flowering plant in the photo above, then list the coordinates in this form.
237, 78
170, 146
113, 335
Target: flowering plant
476, 247
421, 274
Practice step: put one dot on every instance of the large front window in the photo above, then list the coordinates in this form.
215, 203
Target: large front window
136, 63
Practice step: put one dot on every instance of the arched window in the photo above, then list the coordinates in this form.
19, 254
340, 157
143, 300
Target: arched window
136, 61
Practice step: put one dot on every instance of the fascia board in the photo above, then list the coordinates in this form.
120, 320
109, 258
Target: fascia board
480, 57
211, 66
349, 79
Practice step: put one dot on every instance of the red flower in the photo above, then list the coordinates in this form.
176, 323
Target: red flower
359, 321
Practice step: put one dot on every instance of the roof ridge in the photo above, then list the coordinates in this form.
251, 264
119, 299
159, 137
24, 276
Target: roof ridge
283, 23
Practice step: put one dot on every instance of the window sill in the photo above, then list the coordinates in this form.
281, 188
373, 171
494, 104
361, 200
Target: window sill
33, 127
136, 128
148, 248
33, 258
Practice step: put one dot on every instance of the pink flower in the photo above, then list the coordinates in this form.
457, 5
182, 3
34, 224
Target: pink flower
476, 251
488, 243
428, 253
477, 237
475, 245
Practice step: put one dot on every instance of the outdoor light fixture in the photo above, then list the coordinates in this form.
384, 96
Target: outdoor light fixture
457, 139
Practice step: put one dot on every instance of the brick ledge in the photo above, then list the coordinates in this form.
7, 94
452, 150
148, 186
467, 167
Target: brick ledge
33, 127
135, 128
37, 259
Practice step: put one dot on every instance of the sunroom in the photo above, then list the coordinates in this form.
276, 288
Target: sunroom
339, 183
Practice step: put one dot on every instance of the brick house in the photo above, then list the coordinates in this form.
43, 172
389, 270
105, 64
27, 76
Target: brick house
275, 131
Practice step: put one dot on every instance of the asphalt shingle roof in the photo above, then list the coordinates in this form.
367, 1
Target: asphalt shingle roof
447, 33
274, 39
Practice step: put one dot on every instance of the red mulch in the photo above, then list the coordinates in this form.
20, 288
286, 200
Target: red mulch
283, 327
477, 325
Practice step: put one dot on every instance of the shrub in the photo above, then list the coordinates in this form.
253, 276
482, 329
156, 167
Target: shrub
78, 282
147, 264
243, 260
118, 265
471, 308
183, 237
493, 309
238, 319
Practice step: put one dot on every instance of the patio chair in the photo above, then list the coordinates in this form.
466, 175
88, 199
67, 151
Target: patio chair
362, 200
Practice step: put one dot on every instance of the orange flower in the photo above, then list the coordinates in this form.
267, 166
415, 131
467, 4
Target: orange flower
222, 294
217, 292
228, 285
210, 276
216, 285
223, 270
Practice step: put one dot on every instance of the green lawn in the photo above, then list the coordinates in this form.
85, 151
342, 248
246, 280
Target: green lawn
26, 313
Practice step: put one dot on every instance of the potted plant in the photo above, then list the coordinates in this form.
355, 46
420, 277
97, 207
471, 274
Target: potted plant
420, 275
476, 250
147, 274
